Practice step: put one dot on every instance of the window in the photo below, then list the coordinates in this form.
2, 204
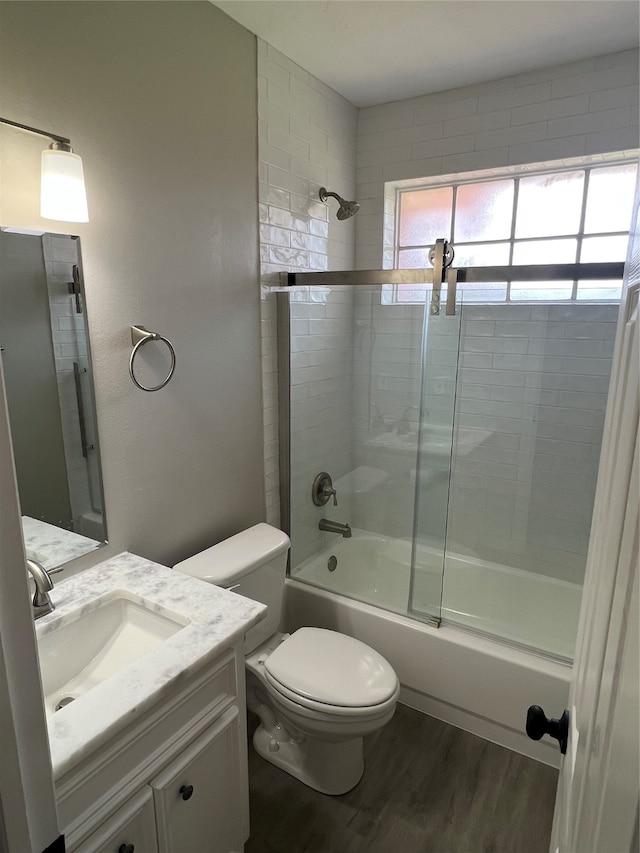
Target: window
560, 215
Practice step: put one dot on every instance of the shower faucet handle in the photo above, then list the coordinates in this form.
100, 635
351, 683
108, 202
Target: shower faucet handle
328, 492
322, 490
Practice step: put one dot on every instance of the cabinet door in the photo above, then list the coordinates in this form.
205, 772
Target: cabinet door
132, 829
199, 799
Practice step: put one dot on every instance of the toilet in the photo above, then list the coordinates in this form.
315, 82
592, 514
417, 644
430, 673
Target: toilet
316, 692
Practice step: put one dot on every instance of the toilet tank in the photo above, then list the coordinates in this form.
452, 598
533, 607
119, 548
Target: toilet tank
254, 564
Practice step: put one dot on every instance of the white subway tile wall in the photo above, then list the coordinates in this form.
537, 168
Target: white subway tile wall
387, 356
307, 139
587, 108
321, 412
536, 382
532, 380
532, 387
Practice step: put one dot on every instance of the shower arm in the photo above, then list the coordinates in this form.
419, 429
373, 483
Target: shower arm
325, 194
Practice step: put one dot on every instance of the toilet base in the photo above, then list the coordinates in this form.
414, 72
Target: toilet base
331, 768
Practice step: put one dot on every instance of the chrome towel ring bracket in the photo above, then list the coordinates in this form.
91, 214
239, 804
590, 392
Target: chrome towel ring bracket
139, 337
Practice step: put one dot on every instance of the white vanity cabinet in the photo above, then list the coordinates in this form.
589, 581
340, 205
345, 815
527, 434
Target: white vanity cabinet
173, 782
131, 830
198, 798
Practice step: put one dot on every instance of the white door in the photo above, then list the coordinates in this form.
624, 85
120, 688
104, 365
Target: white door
598, 791
28, 819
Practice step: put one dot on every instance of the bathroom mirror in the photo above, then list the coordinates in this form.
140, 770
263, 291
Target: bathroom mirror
47, 369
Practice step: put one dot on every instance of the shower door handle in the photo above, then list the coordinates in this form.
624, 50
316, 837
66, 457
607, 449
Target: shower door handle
538, 724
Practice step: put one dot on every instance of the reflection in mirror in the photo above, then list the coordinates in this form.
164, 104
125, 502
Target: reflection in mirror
47, 368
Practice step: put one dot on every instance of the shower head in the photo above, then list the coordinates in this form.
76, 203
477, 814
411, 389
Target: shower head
346, 210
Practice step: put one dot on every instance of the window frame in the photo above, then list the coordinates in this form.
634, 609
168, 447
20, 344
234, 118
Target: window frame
395, 190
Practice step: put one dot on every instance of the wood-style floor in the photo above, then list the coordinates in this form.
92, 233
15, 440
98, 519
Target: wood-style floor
427, 786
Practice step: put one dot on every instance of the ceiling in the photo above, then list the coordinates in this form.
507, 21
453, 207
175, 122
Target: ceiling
374, 51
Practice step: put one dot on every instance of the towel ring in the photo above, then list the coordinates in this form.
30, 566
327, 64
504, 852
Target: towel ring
139, 337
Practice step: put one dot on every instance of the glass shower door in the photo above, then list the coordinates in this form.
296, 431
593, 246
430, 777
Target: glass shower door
371, 374
440, 356
354, 366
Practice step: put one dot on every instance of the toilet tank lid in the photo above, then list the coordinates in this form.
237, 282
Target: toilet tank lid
224, 563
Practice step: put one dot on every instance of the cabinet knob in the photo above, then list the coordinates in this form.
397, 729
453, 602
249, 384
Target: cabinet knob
186, 791
126, 848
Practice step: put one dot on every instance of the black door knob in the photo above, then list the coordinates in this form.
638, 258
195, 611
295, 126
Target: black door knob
538, 724
186, 791
126, 848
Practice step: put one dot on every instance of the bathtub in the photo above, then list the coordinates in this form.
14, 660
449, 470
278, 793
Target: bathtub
470, 680
534, 612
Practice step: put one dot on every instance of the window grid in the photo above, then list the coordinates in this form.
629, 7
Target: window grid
512, 235
512, 240
583, 215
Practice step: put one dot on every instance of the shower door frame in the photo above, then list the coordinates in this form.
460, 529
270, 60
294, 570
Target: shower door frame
337, 278
433, 277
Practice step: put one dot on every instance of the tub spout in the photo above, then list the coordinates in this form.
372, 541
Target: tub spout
335, 527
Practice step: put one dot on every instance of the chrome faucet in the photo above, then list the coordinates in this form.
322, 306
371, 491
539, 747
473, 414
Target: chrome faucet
42, 603
335, 527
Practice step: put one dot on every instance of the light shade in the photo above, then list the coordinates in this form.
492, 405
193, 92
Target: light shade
62, 191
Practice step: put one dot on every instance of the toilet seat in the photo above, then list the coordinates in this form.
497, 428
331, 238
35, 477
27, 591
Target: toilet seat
328, 672
322, 711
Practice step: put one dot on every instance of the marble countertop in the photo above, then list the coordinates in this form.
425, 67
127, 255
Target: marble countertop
216, 618
53, 546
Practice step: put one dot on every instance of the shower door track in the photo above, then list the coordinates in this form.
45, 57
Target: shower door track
529, 272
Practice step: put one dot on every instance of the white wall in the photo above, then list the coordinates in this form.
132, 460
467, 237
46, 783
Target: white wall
578, 109
160, 101
307, 139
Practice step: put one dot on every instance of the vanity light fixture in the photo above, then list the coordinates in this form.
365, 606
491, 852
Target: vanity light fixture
62, 191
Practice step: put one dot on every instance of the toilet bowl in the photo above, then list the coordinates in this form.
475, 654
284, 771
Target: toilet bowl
316, 692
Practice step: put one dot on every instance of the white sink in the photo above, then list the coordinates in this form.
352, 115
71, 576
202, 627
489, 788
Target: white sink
94, 643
